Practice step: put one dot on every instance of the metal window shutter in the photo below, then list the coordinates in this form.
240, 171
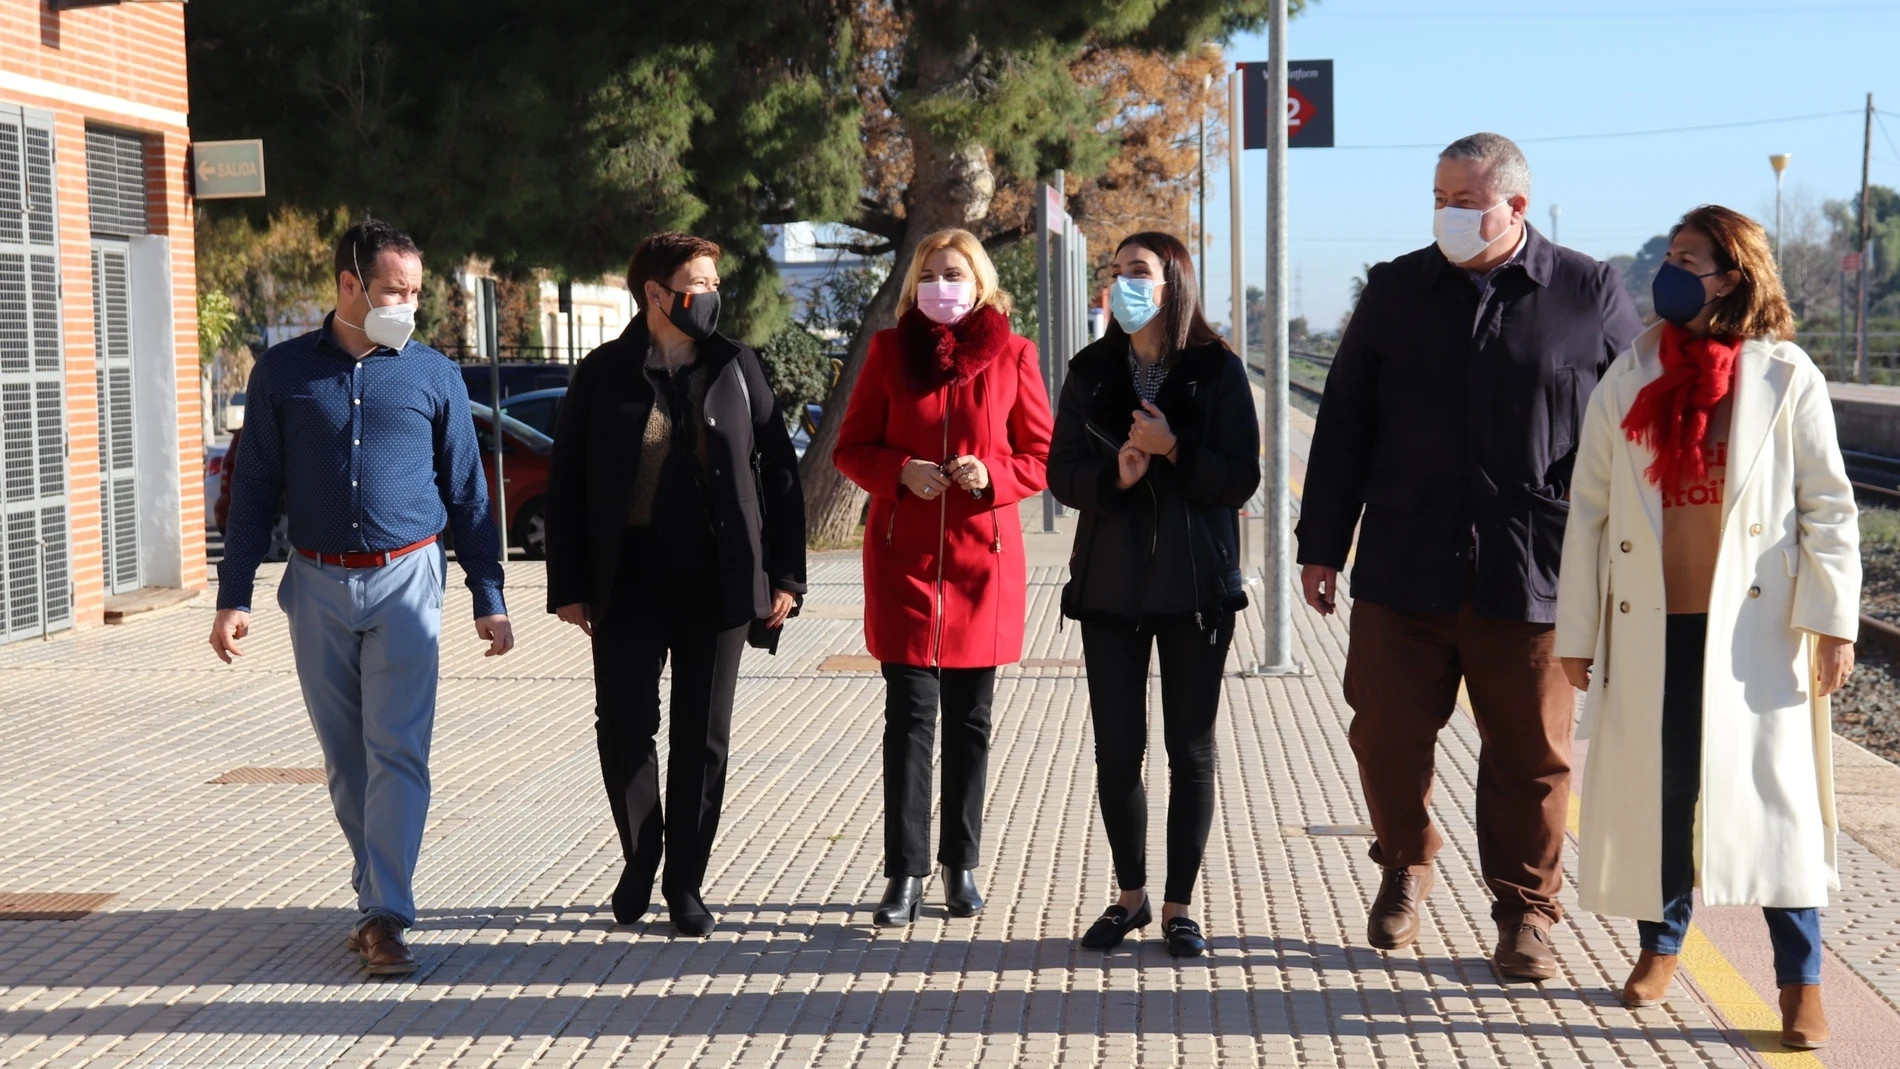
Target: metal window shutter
35, 557
115, 182
112, 339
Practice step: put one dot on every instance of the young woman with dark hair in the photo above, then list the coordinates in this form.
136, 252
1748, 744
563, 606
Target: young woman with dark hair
1156, 445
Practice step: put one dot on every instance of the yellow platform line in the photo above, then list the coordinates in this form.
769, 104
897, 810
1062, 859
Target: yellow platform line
1727, 991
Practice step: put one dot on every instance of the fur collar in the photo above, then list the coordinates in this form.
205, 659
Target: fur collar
936, 355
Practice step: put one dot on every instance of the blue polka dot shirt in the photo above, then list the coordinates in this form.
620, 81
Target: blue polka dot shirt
367, 455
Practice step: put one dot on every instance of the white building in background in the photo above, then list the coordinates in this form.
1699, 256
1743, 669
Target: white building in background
601, 311
806, 264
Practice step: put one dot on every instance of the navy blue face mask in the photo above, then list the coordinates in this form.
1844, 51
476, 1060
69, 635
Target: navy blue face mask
1678, 294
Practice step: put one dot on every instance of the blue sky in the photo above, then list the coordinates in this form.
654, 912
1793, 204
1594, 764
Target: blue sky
1414, 73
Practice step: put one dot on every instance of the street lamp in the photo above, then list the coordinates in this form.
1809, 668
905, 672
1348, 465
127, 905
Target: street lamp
1779, 162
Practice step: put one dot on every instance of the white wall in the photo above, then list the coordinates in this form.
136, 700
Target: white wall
155, 414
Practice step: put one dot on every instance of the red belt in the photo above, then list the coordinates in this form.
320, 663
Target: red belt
365, 560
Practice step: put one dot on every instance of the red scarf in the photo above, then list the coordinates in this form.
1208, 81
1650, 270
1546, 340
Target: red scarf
1671, 414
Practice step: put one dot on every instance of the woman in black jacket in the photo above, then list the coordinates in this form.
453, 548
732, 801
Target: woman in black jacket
1156, 445
674, 523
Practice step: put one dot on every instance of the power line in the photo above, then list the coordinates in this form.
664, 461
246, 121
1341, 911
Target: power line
1885, 134
1633, 133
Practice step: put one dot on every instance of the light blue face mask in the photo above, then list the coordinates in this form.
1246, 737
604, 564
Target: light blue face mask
1132, 300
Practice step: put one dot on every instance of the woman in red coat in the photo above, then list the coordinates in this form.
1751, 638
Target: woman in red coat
947, 429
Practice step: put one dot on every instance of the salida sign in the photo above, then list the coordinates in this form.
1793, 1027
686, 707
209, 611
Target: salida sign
1309, 103
221, 169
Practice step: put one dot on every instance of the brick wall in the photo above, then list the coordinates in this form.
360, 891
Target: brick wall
121, 66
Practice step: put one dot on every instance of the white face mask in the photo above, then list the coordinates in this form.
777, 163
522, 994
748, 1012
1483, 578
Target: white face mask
389, 324
1458, 232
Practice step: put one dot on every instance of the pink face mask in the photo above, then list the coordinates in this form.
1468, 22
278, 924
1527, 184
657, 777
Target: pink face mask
945, 302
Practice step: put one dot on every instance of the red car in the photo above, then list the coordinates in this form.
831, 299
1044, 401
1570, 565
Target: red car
524, 461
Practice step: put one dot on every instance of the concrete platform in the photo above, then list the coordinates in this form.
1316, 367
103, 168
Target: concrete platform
221, 943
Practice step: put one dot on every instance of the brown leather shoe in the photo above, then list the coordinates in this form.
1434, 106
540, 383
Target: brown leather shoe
1803, 1025
1524, 951
379, 943
1392, 923
1648, 984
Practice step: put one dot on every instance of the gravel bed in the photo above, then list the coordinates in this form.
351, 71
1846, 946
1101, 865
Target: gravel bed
1867, 709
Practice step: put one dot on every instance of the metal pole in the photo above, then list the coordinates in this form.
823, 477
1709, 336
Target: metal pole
1044, 336
1840, 353
1778, 178
1866, 314
1277, 569
1237, 269
1555, 212
491, 340
1866, 241
1201, 185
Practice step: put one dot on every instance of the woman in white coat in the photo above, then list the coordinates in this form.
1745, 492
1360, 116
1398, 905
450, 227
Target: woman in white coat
1708, 602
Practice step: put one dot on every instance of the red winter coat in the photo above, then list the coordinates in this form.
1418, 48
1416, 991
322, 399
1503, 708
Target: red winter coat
944, 580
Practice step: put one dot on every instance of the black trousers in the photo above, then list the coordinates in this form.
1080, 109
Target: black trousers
911, 699
1192, 663
646, 623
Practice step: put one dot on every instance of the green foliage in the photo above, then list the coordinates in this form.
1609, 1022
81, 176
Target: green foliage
1016, 270
551, 135
217, 323
1880, 527
798, 368
837, 308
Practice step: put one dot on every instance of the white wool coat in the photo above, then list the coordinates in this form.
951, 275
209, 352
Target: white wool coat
1788, 570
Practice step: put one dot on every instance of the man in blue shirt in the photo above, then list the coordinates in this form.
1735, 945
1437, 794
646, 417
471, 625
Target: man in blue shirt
366, 437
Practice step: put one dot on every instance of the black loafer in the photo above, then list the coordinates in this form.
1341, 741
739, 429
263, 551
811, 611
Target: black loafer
902, 897
960, 896
1184, 938
1114, 926
689, 913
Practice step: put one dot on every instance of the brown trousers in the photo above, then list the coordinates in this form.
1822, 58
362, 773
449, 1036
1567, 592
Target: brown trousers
1402, 675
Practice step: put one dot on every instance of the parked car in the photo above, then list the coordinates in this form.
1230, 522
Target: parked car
540, 409
524, 462
214, 480
525, 455
516, 378
234, 411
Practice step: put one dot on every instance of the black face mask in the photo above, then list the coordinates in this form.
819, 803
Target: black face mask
695, 314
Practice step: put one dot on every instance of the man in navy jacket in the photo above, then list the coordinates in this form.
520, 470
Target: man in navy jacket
1447, 435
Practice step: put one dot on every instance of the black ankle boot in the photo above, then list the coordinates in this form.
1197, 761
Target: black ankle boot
689, 913
633, 895
960, 895
902, 896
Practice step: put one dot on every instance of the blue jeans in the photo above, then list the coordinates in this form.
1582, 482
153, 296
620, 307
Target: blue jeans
366, 643
1795, 934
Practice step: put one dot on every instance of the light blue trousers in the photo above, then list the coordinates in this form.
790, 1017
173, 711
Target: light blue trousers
366, 643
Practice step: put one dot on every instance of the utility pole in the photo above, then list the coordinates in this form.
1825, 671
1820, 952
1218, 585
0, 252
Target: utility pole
1555, 211
1866, 249
1277, 569
1206, 86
